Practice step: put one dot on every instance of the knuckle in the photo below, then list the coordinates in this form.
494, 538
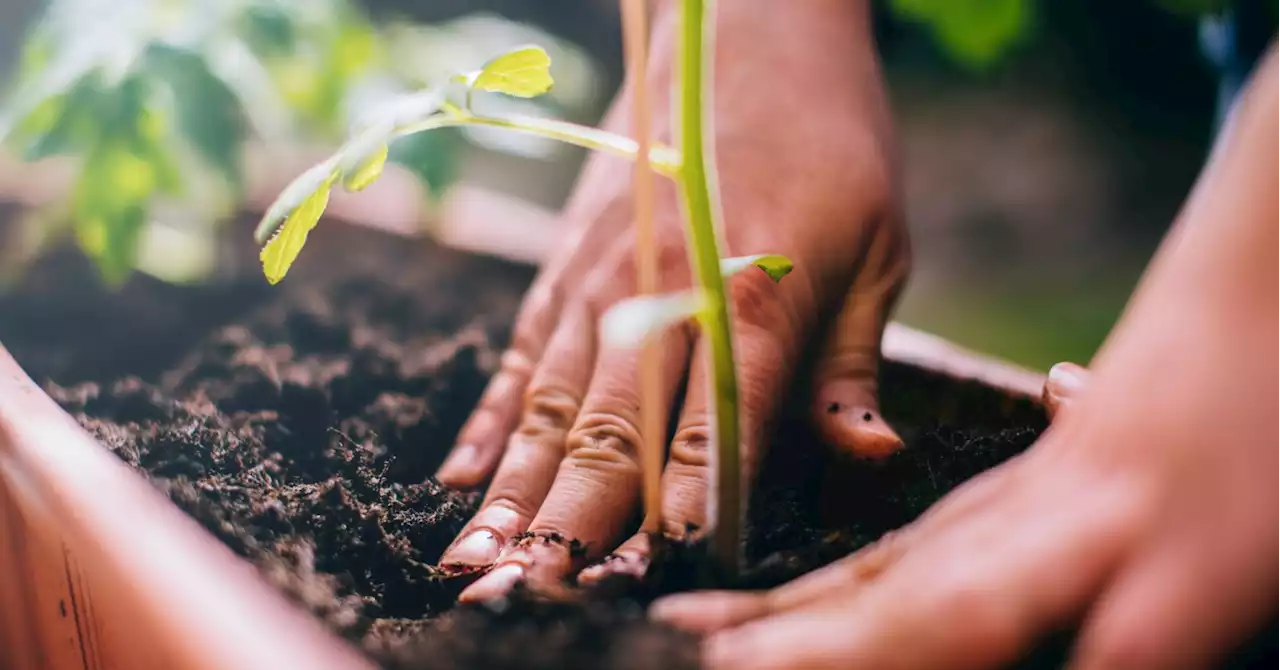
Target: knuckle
510, 502
604, 438
691, 444
548, 412
758, 305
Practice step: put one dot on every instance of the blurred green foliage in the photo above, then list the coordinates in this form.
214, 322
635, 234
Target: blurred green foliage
155, 100
978, 34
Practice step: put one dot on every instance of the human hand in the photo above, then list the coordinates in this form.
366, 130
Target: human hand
1143, 515
559, 420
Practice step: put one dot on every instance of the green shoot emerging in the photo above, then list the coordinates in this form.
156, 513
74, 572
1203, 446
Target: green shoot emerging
525, 72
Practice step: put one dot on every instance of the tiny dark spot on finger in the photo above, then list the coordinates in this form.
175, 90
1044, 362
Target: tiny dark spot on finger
866, 416
833, 408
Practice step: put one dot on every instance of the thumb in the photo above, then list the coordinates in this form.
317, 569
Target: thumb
1063, 387
846, 406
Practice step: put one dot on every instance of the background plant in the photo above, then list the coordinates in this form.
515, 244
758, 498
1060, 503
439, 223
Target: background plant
155, 104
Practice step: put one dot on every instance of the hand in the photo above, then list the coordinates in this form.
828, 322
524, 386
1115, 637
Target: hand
806, 170
1143, 515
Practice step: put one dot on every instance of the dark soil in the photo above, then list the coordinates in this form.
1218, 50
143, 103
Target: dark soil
301, 424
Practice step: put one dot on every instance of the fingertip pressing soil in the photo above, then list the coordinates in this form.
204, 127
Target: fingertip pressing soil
300, 425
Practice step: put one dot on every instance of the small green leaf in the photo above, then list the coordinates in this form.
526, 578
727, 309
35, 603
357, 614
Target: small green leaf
524, 73
774, 265
292, 197
367, 172
634, 321
283, 248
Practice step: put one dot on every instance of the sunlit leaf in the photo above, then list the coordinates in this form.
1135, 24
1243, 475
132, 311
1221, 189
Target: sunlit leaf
632, 322
524, 73
774, 265
367, 172
293, 195
282, 249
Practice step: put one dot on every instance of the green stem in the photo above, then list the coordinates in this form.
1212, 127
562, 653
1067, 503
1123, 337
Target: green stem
694, 62
665, 160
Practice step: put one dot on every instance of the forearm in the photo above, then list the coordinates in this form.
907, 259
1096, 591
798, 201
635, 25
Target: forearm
1219, 263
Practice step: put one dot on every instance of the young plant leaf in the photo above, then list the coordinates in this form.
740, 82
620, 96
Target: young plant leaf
523, 73
632, 322
367, 172
362, 159
774, 265
292, 197
284, 247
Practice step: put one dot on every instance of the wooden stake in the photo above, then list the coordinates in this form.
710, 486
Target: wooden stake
652, 427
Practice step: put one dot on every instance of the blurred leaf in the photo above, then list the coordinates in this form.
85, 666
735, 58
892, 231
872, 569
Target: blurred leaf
977, 33
366, 172
109, 206
268, 30
634, 321
774, 265
63, 124
204, 108
523, 73
434, 157
282, 250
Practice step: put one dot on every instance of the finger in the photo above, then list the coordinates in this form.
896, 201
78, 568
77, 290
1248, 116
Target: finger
765, 332
846, 397
684, 480
597, 486
1065, 384
711, 611
974, 595
1180, 607
536, 448
481, 440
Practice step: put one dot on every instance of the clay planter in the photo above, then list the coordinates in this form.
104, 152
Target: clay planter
99, 570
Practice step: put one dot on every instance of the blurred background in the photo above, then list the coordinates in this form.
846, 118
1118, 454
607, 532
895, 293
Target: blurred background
1048, 143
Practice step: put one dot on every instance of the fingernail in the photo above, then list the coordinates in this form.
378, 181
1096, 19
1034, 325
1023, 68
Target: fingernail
461, 459
495, 584
478, 548
1065, 379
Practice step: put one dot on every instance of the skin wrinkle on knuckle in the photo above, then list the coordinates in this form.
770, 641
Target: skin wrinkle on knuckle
690, 446
601, 440
548, 413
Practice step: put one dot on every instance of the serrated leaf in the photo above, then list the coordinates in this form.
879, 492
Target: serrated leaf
523, 73
367, 172
292, 197
634, 321
283, 248
774, 265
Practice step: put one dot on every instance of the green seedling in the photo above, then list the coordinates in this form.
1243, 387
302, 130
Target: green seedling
525, 72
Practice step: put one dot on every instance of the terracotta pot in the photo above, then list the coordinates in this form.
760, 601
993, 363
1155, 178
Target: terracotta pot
99, 570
